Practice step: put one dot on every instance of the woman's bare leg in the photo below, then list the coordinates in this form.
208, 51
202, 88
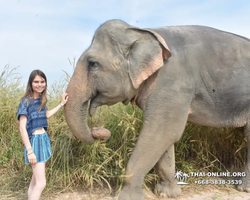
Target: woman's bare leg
32, 184
38, 181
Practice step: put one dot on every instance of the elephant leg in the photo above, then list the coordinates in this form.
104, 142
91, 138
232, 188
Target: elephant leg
166, 171
245, 186
161, 129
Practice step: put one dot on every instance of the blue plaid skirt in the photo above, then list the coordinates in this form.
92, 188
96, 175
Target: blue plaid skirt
41, 148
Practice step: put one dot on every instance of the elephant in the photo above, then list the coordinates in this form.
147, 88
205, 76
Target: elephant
175, 74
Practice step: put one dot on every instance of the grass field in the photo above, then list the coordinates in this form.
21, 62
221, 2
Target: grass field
76, 165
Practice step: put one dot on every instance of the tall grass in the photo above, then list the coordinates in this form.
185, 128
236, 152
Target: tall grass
102, 164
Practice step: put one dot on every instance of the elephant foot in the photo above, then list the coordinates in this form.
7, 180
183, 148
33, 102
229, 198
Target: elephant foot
131, 194
169, 190
242, 189
245, 186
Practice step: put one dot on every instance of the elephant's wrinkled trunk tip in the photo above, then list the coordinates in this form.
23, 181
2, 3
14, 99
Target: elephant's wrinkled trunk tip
101, 133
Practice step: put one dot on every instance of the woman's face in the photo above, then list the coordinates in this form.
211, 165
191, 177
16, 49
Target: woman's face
38, 85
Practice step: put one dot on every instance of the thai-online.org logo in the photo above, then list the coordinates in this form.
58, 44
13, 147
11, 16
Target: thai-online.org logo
182, 178
235, 177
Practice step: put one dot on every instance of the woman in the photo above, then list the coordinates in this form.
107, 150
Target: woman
32, 115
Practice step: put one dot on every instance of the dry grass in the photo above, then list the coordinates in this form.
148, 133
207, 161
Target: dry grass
75, 165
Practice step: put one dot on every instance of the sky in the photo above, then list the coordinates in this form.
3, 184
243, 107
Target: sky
52, 34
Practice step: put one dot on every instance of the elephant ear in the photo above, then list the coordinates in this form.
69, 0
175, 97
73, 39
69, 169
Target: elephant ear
146, 56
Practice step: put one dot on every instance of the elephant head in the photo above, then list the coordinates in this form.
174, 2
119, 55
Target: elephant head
111, 70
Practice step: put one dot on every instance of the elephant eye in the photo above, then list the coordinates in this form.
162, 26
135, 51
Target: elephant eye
92, 65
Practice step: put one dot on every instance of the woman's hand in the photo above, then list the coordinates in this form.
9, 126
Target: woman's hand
54, 110
64, 99
32, 158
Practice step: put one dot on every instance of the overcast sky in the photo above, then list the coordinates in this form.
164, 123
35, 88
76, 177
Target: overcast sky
46, 34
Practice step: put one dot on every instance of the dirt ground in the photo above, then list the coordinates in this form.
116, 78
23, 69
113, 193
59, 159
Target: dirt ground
200, 192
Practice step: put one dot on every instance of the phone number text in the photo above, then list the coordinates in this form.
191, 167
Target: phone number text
218, 182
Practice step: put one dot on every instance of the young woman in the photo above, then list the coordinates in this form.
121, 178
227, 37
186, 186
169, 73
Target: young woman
32, 115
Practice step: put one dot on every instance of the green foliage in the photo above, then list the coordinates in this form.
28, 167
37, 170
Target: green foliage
211, 149
103, 164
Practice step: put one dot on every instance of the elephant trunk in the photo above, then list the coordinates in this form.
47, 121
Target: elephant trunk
76, 108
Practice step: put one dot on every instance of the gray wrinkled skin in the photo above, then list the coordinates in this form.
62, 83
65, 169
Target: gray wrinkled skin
176, 74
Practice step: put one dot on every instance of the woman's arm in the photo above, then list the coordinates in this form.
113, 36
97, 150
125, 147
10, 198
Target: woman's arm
25, 138
54, 110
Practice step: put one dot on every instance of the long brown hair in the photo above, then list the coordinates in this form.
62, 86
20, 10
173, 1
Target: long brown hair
29, 90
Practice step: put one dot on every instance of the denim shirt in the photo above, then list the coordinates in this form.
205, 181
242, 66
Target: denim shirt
35, 119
